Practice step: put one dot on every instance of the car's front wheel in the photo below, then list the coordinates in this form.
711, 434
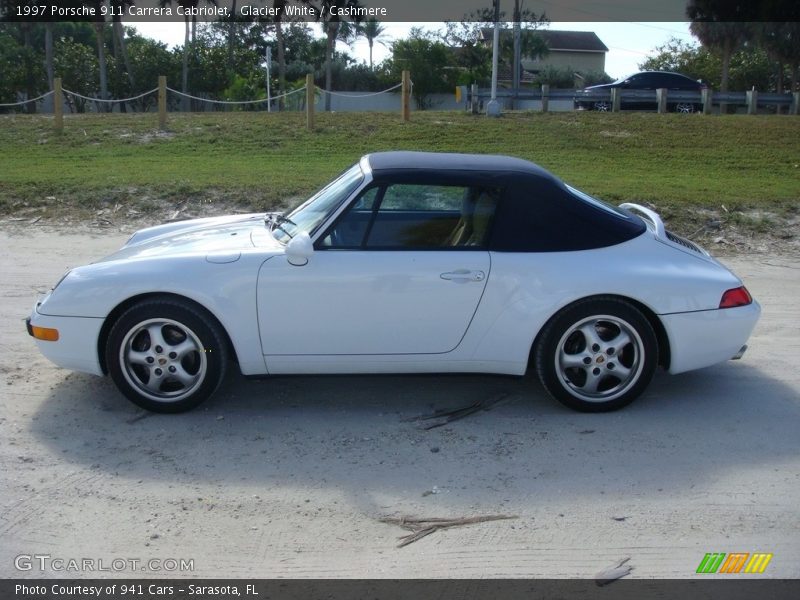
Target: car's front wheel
166, 355
597, 355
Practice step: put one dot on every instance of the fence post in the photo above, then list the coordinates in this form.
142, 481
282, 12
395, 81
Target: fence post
615, 99
58, 105
473, 99
661, 100
162, 102
795, 102
545, 97
706, 95
752, 101
310, 88
405, 103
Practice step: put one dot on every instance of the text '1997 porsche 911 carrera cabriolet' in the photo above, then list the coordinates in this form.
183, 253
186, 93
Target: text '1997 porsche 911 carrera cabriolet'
408, 262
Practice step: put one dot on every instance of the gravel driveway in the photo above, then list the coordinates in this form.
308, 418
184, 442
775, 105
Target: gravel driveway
288, 477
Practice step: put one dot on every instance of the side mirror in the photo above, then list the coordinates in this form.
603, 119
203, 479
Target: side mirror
299, 249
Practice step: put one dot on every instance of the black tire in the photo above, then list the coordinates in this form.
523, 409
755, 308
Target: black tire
174, 372
684, 108
596, 330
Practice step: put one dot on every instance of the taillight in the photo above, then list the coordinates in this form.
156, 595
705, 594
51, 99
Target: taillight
736, 297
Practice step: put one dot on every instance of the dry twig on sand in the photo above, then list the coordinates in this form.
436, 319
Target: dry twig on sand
443, 417
419, 528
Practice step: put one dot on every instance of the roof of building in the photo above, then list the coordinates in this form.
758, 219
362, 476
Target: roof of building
560, 41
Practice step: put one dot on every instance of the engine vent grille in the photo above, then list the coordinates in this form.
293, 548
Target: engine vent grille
676, 239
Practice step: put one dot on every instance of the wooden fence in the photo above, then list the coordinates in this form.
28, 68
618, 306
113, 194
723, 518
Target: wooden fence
58, 93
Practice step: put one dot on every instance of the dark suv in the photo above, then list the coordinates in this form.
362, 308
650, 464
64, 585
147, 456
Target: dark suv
587, 99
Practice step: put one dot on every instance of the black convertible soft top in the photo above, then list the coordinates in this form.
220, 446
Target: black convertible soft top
537, 212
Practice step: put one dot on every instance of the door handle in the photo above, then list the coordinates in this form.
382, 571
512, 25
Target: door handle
463, 275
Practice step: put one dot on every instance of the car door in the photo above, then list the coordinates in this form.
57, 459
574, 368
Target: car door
401, 271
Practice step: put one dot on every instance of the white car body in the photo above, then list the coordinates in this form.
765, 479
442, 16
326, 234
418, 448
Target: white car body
368, 311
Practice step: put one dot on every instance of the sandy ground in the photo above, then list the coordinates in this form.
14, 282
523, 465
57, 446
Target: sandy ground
288, 477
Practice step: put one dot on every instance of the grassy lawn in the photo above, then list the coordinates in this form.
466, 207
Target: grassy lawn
262, 160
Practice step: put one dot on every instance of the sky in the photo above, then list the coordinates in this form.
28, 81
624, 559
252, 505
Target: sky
628, 43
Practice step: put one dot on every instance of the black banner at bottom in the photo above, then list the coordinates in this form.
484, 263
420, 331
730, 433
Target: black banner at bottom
395, 589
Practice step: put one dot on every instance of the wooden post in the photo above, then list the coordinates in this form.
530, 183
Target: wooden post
706, 95
795, 102
752, 101
405, 102
545, 97
162, 102
615, 99
473, 99
661, 100
310, 89
58, 105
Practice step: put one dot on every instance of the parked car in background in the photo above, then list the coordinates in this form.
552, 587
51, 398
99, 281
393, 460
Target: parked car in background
409, 262
586, 99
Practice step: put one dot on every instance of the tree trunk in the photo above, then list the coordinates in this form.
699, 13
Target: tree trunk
333, 26
371, 41
231, 36
727, 52
48, 52
793, 82
119, 31
185, 66
99, 28
30, 84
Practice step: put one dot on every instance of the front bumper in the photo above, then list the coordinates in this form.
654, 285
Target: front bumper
76, 347
704, 338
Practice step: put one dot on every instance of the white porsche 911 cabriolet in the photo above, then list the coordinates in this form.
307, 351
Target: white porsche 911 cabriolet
408, 262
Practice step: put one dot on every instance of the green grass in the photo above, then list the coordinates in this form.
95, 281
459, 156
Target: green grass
261, 160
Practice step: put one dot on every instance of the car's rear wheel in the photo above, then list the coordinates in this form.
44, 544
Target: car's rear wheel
602, 106
684, 107
166, 355
597, 355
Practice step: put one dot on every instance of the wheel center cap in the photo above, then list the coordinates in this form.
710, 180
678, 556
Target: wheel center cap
600, 360
162, 361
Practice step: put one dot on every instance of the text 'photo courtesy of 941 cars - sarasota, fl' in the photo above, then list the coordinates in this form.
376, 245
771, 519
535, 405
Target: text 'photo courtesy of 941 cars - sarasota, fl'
408, 262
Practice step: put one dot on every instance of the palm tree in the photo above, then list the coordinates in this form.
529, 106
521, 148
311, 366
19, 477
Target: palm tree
332, 26
782, 43
118, 30
190, 24
724, 38
279, 6
372, 30
717, 31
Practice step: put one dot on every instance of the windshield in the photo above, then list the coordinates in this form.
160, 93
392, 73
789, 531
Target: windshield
313, 212
595, 202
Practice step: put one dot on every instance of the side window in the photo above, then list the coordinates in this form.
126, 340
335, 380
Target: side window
411, 216
433, 216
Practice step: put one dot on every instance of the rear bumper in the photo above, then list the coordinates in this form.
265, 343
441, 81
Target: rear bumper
704, 338
76, 348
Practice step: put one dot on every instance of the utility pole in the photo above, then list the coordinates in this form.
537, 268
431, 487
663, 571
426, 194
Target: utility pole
517, 67
493, 107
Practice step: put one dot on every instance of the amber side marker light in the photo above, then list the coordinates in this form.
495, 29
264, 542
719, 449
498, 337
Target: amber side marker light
736, 297
44, 333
